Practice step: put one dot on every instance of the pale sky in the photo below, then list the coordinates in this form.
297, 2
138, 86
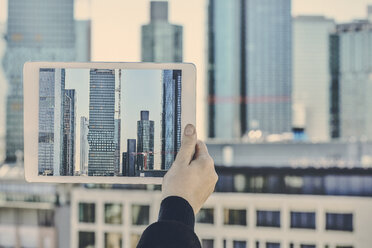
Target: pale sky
116, 30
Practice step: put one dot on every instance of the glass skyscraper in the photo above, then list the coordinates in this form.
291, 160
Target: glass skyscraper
249, 67
101, 132
51, 116
69, 126
36, 30
171, 117
145, 142
161, 41
84, 145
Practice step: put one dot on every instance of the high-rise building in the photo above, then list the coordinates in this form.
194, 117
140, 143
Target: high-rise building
84, 145
249, 67
101, 132
161, 41
130, 163
145, 142
51, 119
171, 117
311, 74
36, 30
117, 145
351, 81
83, 40
69, 126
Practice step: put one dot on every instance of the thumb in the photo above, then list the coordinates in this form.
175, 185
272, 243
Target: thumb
188, 144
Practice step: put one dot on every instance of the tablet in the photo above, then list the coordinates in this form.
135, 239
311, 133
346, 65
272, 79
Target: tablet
109, 123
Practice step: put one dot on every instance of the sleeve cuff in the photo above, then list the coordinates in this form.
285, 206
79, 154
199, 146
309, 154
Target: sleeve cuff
175, 208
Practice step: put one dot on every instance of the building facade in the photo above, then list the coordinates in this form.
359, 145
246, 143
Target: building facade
171, 117
51, 120
161, 41
145, 142
69, 126
101, 134
33, 33
84, 145
254, 57
352, 80
311, 75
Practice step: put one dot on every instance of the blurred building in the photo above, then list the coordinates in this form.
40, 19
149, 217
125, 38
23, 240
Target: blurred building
130, 159
161, 40
36, 30
351, 79
83, 32
311, 75
249, 67
84, 145
51, 120
171, 117
117, 146
69, 135
145, 142
101, 134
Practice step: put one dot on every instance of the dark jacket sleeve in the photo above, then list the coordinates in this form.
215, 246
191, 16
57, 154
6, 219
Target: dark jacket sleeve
175, 226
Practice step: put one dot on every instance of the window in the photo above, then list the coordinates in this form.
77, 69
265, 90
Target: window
113, 240
207, 243
339, 222
272, 245
86, 239
45, 217
239, 244
134, 238
303, 220
113, 213
87, 212
140, 214
342, 246
268, 218
205, 215
235, 217
307, 246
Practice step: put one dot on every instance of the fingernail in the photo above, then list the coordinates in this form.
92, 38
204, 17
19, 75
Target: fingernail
189, 130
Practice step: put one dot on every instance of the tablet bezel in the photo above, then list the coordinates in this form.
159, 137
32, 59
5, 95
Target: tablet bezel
31, 106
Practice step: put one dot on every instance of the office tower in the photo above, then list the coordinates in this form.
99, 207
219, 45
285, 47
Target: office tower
145, 142
353, 76
171, 117
51, 118
117, 146
84, 145
311, 74
101, 123
161, 41
131, 155
124, 170
69, 126
334, 63
36, 30
83, 40
249, 67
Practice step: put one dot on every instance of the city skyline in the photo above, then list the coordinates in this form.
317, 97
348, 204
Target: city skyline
90, 106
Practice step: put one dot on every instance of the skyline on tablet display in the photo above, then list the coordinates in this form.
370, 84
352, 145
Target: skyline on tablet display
108, 122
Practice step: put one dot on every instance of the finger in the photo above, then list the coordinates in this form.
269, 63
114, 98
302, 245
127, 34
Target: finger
188, 144
201, 149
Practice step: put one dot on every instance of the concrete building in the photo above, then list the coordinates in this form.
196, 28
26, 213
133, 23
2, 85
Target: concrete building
171, 117
84, 145
161, 41
351, 82
34, 32
101, 132
249, 46
51, 120
69, 127
145, 142
311, 75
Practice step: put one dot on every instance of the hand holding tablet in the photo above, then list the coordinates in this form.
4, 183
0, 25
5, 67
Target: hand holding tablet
105, 122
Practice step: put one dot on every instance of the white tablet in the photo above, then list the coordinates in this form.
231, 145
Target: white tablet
118, 123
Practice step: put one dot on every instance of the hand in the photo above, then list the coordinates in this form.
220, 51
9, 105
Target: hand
192, 175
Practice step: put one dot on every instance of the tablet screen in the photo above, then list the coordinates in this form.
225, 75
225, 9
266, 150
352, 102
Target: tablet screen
108, 122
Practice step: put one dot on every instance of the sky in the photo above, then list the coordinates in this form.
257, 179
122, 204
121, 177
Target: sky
141, 90
116, 32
